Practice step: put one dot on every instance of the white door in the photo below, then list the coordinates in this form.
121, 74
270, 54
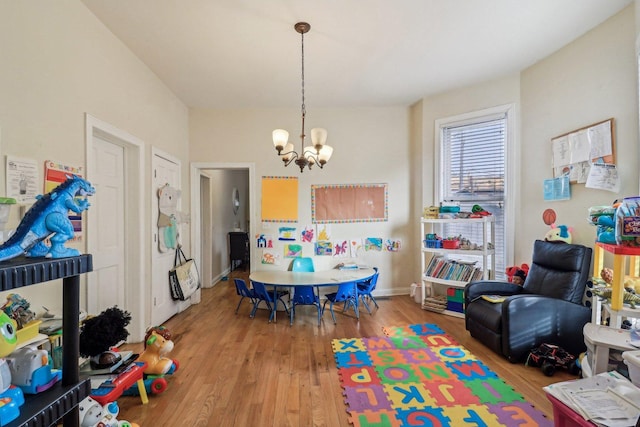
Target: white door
106, 221
166, 170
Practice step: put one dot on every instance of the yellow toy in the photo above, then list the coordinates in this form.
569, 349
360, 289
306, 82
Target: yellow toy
157, 345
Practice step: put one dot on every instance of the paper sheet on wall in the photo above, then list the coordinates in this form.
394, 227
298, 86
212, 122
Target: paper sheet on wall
603, 176
557, 188
22, 179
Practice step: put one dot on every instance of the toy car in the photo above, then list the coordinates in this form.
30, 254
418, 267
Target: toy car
549, 357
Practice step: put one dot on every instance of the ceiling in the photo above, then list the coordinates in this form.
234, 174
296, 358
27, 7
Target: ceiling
359, 53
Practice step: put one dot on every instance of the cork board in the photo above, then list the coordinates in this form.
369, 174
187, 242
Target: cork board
341, 203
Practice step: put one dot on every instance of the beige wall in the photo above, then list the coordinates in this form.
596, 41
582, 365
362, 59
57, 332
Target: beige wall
58, 63
371, 146
590, 80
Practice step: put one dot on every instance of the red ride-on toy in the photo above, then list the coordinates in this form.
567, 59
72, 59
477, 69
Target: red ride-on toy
549, 357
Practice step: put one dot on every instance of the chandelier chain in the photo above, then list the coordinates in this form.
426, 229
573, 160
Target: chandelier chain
304, 107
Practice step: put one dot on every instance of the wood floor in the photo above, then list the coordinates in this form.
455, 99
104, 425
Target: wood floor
238, 371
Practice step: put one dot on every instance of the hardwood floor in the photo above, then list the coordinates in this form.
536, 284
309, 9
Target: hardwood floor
238, 371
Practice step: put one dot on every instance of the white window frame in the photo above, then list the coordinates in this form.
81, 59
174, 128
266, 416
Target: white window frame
511, 166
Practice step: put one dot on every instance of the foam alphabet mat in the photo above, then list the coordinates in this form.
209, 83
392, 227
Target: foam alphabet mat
417, 375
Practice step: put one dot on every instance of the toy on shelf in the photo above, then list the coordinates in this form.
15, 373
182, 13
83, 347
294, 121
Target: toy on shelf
100, 333
158, 345
31, 370
627, 222
11, 397
17, 308
628, 297
93, 414
49, 217
517, 274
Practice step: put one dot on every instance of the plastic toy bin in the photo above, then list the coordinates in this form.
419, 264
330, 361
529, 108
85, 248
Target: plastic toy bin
563, 416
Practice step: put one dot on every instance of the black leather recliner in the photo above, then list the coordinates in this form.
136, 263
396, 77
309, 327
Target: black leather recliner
546, 309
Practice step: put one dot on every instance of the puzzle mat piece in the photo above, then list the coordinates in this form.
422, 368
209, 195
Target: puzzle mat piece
375, 419
519, 414
347, 345
417, 329
370, 398
358, 376
351, 359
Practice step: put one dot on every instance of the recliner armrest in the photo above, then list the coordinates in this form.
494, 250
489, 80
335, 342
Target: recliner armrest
474, 290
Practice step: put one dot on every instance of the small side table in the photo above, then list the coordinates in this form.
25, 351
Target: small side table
599, 340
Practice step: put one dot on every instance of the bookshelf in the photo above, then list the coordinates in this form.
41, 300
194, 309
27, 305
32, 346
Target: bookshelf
444, 268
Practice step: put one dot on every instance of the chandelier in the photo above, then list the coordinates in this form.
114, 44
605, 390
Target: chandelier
318, 153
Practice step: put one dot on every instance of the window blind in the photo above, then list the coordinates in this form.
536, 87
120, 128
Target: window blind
473, 172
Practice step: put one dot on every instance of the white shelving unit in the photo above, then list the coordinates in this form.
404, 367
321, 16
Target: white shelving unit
485, 253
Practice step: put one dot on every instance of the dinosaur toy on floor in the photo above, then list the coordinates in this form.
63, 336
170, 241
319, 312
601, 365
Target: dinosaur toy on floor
49, 216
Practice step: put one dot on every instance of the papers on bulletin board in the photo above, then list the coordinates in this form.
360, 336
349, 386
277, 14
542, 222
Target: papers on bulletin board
557, 188
574, 152
603, 176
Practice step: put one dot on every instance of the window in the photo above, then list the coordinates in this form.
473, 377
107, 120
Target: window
472, 171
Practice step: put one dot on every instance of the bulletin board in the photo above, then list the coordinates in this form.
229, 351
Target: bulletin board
575, 151
279, 199
349, 203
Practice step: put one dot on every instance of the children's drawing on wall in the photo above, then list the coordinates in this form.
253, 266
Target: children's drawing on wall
308, 234
264, 241
373, 244
392, 245
354, 245
341, 249
292, 250
270, 257
169, 218
324, 232
324, 248
287, 233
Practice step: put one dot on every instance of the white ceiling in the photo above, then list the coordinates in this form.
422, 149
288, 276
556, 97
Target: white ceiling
246, 54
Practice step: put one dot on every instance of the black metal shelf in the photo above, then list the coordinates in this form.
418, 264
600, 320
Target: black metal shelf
61, 401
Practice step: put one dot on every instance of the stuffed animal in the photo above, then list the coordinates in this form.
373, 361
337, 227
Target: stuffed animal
558, 233
157, 346
517, 274
169, 218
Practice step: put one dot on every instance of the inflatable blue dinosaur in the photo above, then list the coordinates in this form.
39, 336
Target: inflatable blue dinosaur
49, 216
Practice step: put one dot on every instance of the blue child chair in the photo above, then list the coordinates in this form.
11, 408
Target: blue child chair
365, 288
346, 293
245, 292
304, 295
268, 298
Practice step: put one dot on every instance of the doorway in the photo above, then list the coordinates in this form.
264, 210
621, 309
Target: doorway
222, 219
